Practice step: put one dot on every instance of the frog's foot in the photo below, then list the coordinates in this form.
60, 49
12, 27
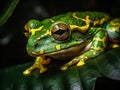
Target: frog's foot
72, 62
64, 67
79, 61
40, 61
35, 66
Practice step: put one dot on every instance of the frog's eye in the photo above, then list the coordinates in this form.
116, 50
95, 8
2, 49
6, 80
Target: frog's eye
60, 32
30, 26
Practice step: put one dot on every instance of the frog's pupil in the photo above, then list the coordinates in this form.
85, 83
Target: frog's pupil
60, 32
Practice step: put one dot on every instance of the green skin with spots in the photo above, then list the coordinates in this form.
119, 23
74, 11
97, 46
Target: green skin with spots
88, 34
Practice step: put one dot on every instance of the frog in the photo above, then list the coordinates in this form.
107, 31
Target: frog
73, 36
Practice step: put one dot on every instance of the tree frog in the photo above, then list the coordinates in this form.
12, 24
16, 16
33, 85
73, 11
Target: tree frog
74, 36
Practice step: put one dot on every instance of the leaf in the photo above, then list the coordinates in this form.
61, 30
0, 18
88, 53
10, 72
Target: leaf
75, 78
10, 6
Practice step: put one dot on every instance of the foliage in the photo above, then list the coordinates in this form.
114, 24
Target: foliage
75, 78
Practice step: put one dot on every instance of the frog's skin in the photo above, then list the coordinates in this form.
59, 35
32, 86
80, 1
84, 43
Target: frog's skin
76, 36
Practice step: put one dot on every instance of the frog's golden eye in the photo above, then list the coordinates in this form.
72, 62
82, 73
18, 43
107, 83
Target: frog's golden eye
60, 32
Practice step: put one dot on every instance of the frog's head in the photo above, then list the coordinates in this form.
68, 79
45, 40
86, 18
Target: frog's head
55, 40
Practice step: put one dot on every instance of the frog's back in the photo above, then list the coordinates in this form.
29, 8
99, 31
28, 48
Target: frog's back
80, 18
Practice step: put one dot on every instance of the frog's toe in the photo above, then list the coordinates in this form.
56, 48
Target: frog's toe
26, 72
80, 63
43, 70
63, 68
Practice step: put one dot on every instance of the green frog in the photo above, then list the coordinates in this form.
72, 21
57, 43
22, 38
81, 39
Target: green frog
74, 36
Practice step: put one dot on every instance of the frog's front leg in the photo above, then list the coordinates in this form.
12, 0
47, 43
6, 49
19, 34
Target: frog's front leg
39, 63
98, 45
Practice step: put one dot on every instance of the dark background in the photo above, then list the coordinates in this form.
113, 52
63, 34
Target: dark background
12, 39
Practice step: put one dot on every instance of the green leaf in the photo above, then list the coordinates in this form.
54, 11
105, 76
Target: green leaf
75, 78
8, 10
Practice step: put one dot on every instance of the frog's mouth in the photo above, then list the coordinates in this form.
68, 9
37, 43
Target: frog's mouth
67, 53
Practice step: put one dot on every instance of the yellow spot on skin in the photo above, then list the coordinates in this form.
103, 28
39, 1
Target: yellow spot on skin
88, 21
51, 20
33, 52
82, 60
58, 47
34, 30
115, 29
41, 51
102, 40
115, 22
48, 32
81, 63
81, 28
114, 45
106, 18
101, 21
96, 22
97, 48
94, 53
83, 57
78, 42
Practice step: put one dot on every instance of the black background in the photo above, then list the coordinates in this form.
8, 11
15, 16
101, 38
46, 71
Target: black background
12, 39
